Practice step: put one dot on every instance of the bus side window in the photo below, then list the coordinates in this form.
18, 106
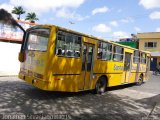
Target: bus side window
107, 51
84, 57
60, 48
89, 60
118, 53
73, 45
77, 46
104, 51
143, 58
136, 57
99, 54
68, 44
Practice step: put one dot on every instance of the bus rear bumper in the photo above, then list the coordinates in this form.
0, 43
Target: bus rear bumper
55, 85
41, 84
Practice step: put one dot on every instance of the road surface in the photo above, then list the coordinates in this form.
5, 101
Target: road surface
130, 102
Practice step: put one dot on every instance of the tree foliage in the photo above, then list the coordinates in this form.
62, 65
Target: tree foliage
31, 17
18, 11
6, 18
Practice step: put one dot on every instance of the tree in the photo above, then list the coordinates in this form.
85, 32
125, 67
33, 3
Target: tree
18, 11
6, 18
31, 17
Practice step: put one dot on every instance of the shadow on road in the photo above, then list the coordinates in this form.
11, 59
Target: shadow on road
19, 97
151, 100
154, 102
120, 87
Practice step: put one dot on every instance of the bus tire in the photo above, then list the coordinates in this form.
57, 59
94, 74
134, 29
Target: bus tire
140, 80
100, 85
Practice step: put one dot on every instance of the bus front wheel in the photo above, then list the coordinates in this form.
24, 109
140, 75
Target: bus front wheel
100, 85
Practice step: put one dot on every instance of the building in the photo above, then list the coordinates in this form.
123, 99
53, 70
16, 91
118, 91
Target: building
150, 41
13, 35
10, 44
128, 42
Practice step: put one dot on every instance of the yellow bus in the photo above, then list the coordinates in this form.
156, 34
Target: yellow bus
57, 59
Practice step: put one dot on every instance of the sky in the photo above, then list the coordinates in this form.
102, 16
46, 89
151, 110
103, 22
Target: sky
107, 19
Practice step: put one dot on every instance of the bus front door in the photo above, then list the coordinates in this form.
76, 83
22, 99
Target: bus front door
127, 67
87, 66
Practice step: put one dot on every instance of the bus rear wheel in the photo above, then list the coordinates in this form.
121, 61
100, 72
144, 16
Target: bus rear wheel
100, 85
140, 80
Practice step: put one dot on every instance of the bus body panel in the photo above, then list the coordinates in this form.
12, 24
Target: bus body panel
114, 79
48, 71
41, 84
65, 66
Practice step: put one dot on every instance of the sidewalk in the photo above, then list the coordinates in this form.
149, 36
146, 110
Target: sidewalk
8, 73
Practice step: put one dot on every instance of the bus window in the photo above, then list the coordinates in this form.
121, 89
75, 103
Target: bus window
104, 51
143, 58
60, 44
99, 54
68, 44
136, 57
77, 46
118, 53
127, 61
38, 39
84, 57
89, 62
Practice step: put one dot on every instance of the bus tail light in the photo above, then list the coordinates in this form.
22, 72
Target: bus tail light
34, 81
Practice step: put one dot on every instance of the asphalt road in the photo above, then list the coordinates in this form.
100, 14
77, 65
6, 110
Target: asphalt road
131, 102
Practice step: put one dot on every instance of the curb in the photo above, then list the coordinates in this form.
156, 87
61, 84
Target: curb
8, 75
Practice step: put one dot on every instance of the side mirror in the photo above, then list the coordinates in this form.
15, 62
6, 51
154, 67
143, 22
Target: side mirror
22, 57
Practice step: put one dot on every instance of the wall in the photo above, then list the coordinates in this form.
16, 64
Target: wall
150, 37
9, 64
142, 43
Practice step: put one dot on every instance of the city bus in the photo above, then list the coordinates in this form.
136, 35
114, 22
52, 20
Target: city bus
58, 59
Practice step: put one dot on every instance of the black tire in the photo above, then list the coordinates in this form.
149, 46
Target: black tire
100, 85
140, 80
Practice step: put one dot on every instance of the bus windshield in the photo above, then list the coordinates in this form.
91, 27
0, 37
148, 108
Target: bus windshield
38, 39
